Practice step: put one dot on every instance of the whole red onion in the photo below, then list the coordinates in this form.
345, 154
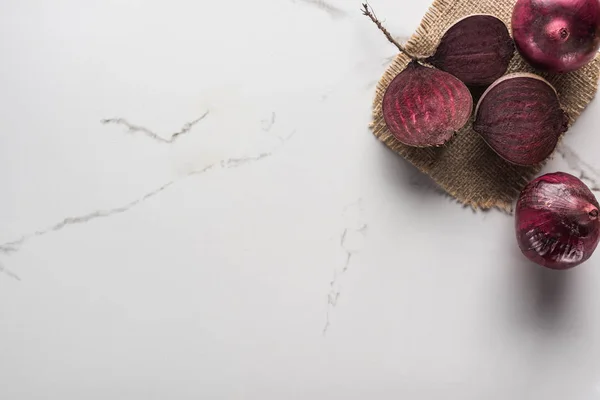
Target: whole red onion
557, 35
557, 221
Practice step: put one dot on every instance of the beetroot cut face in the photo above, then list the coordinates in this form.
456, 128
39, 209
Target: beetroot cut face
476, 49
557, 222
557, 35
424, 107
520, 118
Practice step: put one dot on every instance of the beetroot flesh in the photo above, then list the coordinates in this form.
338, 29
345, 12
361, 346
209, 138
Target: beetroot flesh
424, 107
557, 222
557, 35
520, 118
476, 49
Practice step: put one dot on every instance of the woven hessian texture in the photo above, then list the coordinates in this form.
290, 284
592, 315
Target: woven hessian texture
466, 168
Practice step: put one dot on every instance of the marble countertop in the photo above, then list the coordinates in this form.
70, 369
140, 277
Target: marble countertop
193, 207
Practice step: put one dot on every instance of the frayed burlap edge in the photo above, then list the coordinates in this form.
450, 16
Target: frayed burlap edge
466, 168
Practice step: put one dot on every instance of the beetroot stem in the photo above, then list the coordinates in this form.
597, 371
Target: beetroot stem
368, 11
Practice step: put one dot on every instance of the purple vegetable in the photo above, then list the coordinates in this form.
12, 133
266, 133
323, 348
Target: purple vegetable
476, 49
557, 35
520, 118
424, 106
557, 221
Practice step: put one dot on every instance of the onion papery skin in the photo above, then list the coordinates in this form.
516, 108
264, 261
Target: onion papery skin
519, 116
477, 50
424, 107
557, 222
557, 35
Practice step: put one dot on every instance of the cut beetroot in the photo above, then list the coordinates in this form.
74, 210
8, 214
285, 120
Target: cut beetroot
424, 107
520, 118
476, 49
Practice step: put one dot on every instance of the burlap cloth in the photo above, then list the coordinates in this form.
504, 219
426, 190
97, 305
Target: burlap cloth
466, 168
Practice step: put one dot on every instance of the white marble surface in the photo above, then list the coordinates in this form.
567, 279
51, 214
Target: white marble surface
289, 256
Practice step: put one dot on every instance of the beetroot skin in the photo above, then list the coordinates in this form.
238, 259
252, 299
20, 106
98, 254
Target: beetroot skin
557, 221
424, 106
477, 50
520, 118
557, 35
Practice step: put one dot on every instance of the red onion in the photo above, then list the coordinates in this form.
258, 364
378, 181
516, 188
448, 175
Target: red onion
520, 118
557, 35
557, 221
476, 49
424, 106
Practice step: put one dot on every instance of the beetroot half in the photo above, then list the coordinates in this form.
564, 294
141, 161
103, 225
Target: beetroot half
520, 118
557, 221
424, 107
476, 49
